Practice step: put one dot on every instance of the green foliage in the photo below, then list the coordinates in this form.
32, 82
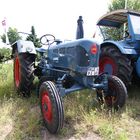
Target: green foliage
116, 4
33, 38
107, 131
12, 35
135, 5
120, 4
4, 54
113, 33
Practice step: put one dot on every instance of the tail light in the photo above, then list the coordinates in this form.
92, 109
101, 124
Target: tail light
94, 49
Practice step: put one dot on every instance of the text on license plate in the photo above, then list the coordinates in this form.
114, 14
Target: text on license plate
93, 71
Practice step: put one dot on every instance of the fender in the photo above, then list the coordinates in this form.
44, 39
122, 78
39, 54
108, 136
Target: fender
123, 46
22, 46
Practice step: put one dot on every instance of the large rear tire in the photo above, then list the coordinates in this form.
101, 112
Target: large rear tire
51, 107
117, 93
115, 63
23, 72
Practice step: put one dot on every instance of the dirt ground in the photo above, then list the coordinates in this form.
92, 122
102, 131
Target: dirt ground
89, 136
7, 128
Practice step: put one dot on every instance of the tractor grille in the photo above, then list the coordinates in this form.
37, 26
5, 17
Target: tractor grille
82, 57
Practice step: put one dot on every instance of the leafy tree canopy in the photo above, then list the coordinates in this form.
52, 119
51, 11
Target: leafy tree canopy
33, 37
120, 4
12, 35
5, 54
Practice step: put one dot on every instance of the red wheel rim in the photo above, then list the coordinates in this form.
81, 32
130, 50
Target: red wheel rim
17, 72
107, 64
46, 107
112, 97
110, 100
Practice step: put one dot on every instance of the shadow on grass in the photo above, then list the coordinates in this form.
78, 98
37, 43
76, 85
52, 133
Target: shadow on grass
134, 91
133, 102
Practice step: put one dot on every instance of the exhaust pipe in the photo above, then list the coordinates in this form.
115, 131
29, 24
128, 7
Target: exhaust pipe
80, 31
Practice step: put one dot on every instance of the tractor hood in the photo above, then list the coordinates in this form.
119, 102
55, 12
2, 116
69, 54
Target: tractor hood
76, 55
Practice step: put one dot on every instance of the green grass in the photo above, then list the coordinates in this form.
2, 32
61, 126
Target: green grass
20, 118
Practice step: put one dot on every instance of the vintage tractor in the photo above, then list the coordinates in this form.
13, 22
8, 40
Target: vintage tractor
121, 57
62, 68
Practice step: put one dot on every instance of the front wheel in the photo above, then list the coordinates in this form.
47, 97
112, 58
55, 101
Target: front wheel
116, 94
51, 107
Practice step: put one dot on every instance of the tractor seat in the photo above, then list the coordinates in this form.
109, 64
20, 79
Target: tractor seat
58, 41
41, 50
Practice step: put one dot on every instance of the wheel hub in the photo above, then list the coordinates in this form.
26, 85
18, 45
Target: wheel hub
46, 107
106, 64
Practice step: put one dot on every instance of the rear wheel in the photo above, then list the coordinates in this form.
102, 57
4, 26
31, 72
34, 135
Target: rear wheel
51, 107
116, 95
115, 63
23, 73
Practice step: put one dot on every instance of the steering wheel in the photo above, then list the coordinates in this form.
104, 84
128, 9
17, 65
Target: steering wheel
47, 39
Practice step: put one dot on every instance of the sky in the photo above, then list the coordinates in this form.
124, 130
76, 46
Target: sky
57, 17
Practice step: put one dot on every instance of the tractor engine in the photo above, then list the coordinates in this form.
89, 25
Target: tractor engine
77, 58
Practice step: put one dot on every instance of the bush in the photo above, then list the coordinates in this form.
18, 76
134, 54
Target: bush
5, 54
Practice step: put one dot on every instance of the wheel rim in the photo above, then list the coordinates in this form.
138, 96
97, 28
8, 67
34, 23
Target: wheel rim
107, 64
17, 72
111, 98
46, 107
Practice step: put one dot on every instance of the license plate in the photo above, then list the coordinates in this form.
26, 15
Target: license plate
92, 71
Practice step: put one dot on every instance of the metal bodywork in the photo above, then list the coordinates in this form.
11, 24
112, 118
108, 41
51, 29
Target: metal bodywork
128, 46
74, 55
22, 46
74, 64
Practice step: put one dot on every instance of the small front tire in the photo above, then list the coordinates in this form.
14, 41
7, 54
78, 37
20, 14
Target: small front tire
116, 95
51, 107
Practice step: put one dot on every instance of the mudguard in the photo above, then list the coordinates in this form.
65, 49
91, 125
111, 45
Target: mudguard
124, 47
22, 46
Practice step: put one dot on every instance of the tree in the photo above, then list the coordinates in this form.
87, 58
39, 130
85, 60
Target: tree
33, 37
117, 34
12, 35
120, 4
5, 54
